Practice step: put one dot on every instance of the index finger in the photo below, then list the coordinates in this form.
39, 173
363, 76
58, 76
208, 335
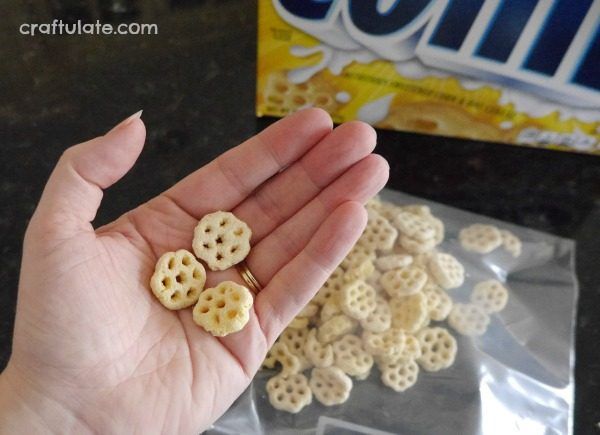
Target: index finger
229, 179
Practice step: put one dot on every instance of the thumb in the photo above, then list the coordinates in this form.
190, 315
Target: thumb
74, 190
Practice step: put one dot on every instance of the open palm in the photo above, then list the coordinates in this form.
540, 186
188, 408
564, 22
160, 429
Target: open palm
91, 341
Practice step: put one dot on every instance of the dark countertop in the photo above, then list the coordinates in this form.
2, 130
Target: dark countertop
195, 82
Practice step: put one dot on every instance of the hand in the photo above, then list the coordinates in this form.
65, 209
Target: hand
93, 349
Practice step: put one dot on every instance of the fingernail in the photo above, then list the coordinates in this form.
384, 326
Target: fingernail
129, 120
136, 115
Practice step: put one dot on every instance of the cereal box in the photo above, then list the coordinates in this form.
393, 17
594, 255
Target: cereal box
522, 72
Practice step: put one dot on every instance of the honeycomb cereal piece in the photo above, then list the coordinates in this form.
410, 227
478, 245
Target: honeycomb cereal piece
511, 243
350, 356
404, 282
379, 319
363, 376
298, 323
330, 385
399, 375
384, 343
374, 204
373, 280
319, 355
414, 246
223, 309
422, 260
283, 96
420, 210
389, 210
335, 327
310, 310
440, 119
331, 288
438, 349
468, 319
438, 227
294, 339
394, 261
178, 279
221, 240
409, 312
411, 349
480, 238
439, 302
357, 299
280, 353
379, 233
356, 257
289, 393
414, 226
270, 360
330, 309
362, 271
490, 295
446, 270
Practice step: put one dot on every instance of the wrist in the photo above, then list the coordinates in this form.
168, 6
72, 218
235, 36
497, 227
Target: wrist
25, 409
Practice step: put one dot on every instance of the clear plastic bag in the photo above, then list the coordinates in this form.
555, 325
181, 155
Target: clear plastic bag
515, 379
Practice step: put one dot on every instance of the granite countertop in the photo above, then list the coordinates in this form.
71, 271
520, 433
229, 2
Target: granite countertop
195, 81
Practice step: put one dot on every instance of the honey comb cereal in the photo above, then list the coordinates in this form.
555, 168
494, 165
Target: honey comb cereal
438, 227
414, 246
394, 261
330, 385
421, 210
511, 243
414, 226
298, 323
289, 393
409, 312
331, 287
357, 299
330, 309
361, 272
335, 327
319, 355
379, 233
446, 270
356, 257
377, 307
223, 309
404, 282
178, 279
480, 238
221, 240
399, 375
379, 319
283, 96
468, 319
438, 349
411, 349
295, 339
490, 295
384, 343
439, 302
279, 353
310, 310
350, 356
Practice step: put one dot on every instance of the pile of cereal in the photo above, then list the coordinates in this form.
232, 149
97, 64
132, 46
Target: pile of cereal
377, 309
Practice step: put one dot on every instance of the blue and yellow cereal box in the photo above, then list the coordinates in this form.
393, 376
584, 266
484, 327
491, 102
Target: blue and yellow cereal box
522, 72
